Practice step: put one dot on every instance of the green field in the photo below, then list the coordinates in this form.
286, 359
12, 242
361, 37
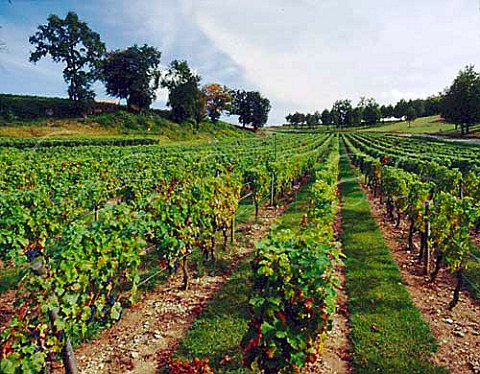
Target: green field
424, 125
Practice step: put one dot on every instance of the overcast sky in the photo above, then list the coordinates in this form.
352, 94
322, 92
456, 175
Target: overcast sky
301, 54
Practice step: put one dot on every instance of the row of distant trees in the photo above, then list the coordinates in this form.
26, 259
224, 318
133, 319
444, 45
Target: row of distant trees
367, 112
133, 74
459, 104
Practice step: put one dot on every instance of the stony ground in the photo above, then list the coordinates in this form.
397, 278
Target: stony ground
457, 331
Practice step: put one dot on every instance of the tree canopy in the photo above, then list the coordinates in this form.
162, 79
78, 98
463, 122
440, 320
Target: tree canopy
340, 112
251, 108
216, 99
184, 92
411, 115
461, 101
72, 42
132, 74
371, 112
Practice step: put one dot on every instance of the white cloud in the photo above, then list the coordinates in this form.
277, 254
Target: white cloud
310, 53
303, 55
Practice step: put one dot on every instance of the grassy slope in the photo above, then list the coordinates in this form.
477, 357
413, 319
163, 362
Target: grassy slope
428, 125
388, 333
119, 124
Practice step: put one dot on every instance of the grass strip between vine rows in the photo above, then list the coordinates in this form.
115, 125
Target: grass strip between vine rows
217, 332
388, 333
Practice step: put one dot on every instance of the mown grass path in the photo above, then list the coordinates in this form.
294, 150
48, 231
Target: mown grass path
217, 332
388, 333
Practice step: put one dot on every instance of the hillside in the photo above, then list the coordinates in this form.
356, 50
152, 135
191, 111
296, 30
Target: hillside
424, 125
117, 124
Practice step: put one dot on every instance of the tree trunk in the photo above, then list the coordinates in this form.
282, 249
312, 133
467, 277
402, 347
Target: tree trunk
225, 237
232, 230
458, 288
423, 242
185, 273
411, 231
438, 263
212, 247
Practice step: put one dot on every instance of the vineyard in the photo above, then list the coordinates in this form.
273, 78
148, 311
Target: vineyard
78, 221
436, 187
85, 223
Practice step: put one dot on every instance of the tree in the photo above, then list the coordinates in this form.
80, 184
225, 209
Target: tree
411, 115
288, 118
296, 118
386, 111
250, 107
312, 119
432, 105
461, 101
132, 74
400, 109
326, 117
184, 96
217, 98
341, 112
73, 43
371, 112
354, 116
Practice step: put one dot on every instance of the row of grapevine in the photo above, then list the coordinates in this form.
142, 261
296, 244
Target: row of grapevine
42, 194
85, 270
294, 283
463, 156
443, 220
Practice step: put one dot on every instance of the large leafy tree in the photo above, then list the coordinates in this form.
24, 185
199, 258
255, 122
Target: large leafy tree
371, 112
341, 112
461, 101
326, 117
432, 105
132, 74
216, 99
72, 42
184, 96
400, 109
296, 118
313, 119
250, 107
386, 111
411, 115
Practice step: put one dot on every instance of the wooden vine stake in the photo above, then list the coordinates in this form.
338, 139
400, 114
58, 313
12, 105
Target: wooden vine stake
427, 235
232, 230
68, 357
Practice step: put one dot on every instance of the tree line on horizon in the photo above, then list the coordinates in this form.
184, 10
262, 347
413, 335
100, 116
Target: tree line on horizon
133, 74
459, 104
367, 112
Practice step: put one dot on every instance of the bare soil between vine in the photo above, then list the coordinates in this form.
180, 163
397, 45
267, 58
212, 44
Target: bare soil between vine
149, 332
457, 330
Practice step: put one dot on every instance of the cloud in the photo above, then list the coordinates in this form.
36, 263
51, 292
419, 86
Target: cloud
311, 53
303, 55
17, 74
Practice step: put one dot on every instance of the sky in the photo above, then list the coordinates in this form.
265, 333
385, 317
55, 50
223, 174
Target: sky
301, 54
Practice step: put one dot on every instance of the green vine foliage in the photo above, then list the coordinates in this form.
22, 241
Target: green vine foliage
429, 193
294, 285
86, 216
86, 275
